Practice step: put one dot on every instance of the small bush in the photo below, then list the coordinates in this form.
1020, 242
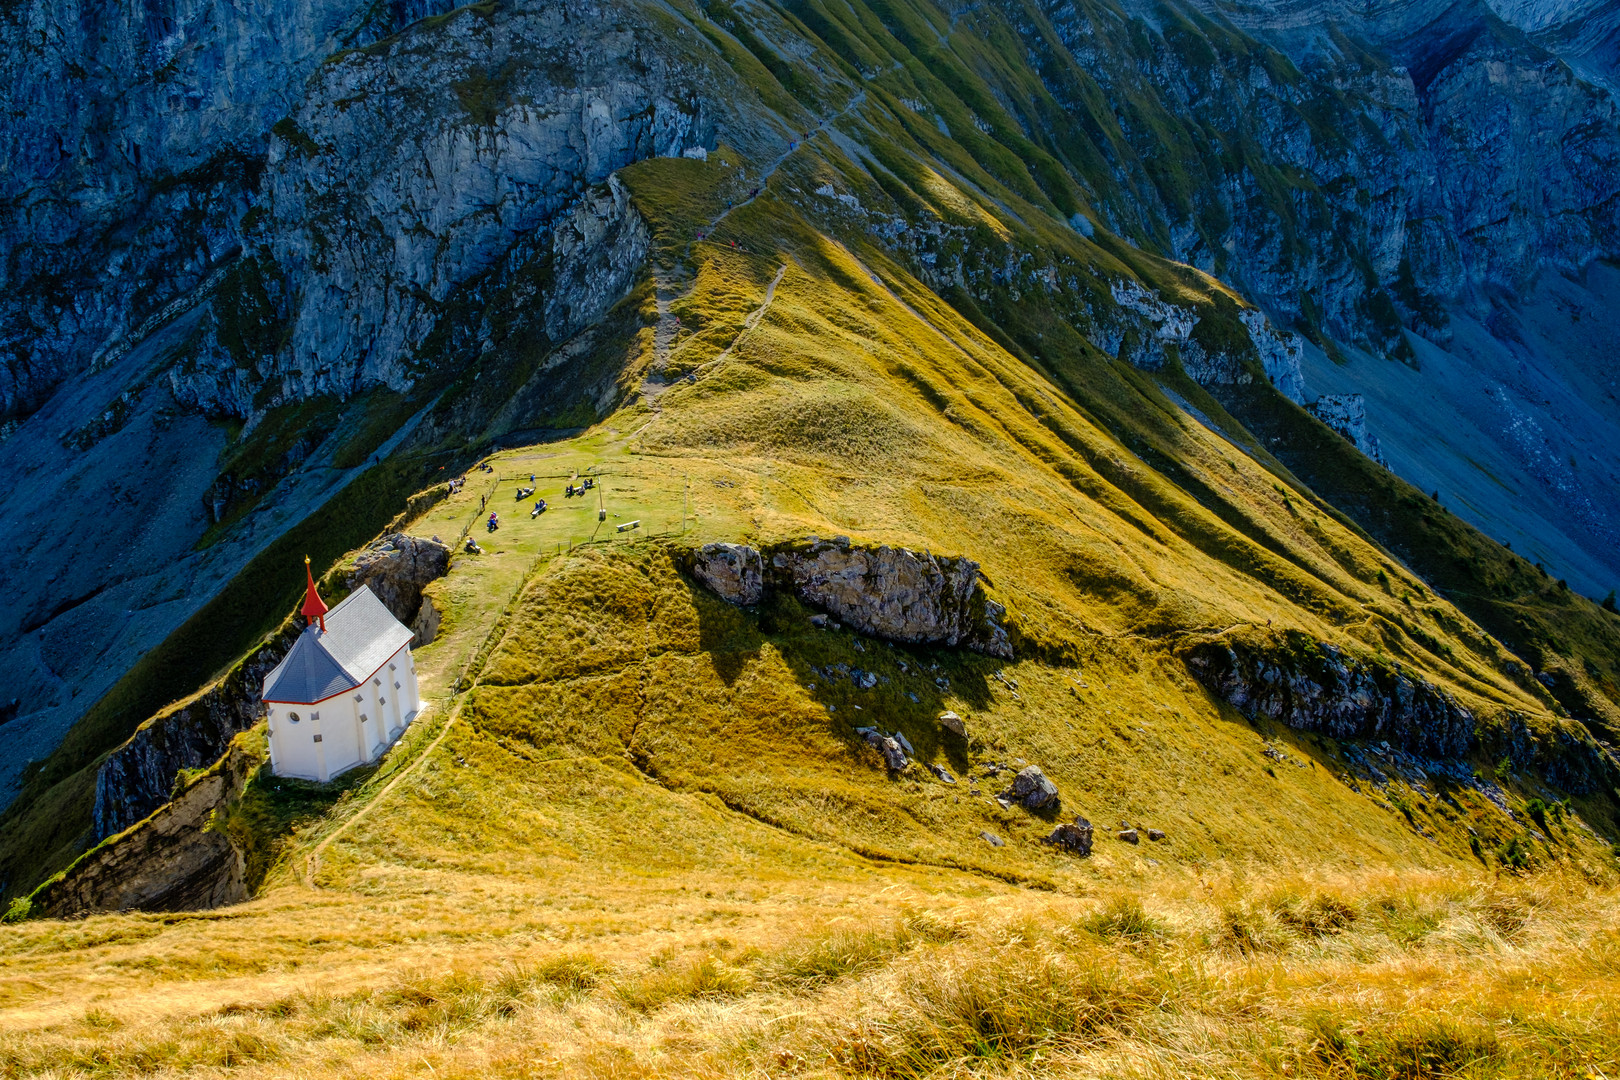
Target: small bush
704, 977
1320, 916
1515, 854
1538, 812
1124, 918
19, 909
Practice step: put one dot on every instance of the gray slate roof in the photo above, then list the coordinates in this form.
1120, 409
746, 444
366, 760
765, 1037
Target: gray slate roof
361, 634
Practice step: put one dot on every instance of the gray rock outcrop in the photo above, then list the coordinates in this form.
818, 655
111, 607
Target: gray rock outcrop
1318, 687
887, 592
894, 593
1032, 788
1347, 415
733, 572
396, 567
139, 776
887, 746
1075, 838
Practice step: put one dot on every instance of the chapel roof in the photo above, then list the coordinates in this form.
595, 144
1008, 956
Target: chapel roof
360, 635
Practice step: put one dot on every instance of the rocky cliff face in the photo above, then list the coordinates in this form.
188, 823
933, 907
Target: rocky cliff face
139, 776
1447, 160
134, 140
1313, 686
396, 567
1321, 688
170, 861
891, 593
383, 202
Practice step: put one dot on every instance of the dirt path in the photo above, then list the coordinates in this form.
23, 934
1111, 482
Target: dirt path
666, 288
312, 861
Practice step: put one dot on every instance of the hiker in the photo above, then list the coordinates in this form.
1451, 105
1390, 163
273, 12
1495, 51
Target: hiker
473, 548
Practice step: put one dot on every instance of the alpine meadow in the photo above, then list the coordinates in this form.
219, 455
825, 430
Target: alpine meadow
810, 538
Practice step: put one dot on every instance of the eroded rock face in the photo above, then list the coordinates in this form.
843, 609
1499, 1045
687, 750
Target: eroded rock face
138, 777
891, 593
894, 593
170, 862
396, 567
1347, 415
733, 572
1320, 688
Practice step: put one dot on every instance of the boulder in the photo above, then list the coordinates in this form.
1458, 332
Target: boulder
991, 838
953, 722
733, 572
1031, 788
942, 773
396, 567
1129, 836
1074, 838
893, 756
1155, 835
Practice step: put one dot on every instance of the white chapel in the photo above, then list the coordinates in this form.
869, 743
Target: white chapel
345, 691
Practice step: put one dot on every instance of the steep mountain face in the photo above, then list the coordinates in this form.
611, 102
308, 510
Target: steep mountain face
267, 250
134, 141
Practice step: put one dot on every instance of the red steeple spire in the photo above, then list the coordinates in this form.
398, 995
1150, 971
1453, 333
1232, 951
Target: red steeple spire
314, 607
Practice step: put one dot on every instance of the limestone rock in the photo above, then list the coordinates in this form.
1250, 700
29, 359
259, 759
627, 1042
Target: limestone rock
1074, 838
1346, 414
138, 777
991, 838
1032, 788
1324, 689
888, 593
733, 572
942, 773
894, 593
425, 626
1129, 836
953, 722
171, 860
893, 756
396, 567
1155, 835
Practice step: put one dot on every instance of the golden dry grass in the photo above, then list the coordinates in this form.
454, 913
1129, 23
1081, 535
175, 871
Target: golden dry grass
1377, 974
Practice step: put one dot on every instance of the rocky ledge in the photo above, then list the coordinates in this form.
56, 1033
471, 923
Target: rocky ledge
1314, 686
1319, 687
888, 592
170, 861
